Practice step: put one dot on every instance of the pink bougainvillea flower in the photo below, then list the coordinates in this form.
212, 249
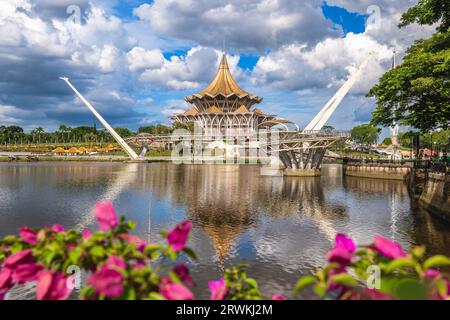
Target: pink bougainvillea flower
106, 215
374, 294
388, 248
345, 243
340, 256
86, 233
28, 235
278, 297
432, 274
18, 258
175, 291
343, 250
218, 289
116, 262
26, 272
6, 282
57, 228
107, 281
177, 237
182, 271
52, 286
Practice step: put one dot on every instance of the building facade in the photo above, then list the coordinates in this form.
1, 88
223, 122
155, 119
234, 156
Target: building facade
224, 108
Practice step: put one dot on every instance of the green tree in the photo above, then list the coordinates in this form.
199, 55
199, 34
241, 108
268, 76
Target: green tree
417, 93
429, 12
124, 132
387, 141
365, 133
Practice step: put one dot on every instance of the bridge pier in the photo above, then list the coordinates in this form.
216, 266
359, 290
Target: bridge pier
289, 172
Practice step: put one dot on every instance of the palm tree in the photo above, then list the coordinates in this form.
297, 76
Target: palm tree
38, 131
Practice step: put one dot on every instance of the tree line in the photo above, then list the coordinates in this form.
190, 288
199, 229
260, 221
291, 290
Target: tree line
81, 134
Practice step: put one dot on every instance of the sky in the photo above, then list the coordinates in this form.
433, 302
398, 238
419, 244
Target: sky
135, 60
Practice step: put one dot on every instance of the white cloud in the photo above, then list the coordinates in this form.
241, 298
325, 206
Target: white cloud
241, 25
140, 59
197, 67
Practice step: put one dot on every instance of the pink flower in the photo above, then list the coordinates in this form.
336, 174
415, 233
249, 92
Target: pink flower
106, 215
6, 282
278, 297
175, 291
343, 250
107, 281
340, 256
432, 274
345, 243
52, 286
86, 233
18, 258
182, 272
57, 228
218, 289
374, 294
116, 262
388, 248
28, 235
26, 272
177, 237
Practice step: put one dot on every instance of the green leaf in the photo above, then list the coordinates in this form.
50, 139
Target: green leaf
304, 282
156, 296
190, 253
410, 289
344, 279
97, 251
320, 289
128, 294
435, 261
252, 283
418, 251
399, 264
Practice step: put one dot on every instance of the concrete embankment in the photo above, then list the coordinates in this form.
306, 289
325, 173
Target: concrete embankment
377, 171
435, 196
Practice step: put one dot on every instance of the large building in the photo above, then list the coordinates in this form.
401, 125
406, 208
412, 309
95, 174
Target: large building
223, 107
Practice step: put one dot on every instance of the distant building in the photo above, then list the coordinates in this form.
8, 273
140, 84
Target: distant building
223, 107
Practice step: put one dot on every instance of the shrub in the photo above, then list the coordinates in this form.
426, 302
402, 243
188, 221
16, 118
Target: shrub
123, 266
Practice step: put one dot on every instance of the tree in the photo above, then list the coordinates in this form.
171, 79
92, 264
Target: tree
387, 141
365, 133
429, 12
327, 128
417, 92
124, 132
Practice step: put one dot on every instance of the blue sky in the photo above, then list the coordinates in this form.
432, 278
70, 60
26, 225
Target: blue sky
137, 60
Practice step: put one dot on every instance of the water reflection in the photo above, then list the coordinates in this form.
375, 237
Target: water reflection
281, 226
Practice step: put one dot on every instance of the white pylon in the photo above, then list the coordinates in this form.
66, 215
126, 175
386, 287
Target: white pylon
322, 117
115, 135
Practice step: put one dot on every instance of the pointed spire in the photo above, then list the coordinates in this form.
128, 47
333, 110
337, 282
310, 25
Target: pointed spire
223, 82
224, 62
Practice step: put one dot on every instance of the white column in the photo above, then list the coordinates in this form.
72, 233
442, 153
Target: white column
115, 135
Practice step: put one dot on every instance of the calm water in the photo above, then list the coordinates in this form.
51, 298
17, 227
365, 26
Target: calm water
283, 227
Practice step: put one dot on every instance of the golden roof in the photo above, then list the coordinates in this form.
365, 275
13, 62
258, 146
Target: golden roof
213, 109
241, 109
257, 111
192, 110
223, 84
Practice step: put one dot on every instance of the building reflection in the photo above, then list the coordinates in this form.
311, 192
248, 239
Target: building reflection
227, 200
